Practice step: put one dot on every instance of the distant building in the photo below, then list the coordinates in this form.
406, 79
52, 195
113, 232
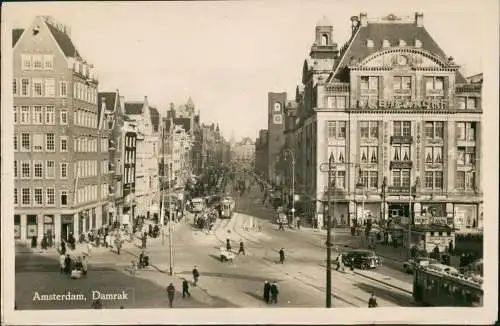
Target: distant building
122, 156
276, 128
243, 153
147, 149
261, 154
59, 153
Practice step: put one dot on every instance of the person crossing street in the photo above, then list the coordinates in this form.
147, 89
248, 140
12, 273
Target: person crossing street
242, 249
267, 290
282, 255
170, 294
185, 288
196, 275
274, 292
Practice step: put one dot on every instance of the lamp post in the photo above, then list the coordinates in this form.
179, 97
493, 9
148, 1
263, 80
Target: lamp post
293, 183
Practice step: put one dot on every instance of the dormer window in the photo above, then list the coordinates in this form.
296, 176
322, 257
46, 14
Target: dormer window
418, 44
402, 43
369, 43
386, 44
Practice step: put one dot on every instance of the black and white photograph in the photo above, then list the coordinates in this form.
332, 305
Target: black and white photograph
290, 162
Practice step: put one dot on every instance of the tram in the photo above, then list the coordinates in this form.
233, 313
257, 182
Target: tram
443, 286
227, 208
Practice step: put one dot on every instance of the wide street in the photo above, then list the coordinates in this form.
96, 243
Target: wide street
301, 279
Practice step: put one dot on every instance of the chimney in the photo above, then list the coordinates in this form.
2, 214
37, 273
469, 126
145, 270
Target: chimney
363, 18
354, 23
419, 19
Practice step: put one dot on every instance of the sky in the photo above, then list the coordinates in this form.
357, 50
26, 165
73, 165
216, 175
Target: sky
227, 55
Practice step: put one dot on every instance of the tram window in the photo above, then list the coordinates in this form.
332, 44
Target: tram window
476, 300
446, 288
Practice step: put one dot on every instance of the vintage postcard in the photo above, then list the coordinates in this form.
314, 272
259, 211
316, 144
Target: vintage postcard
256, 162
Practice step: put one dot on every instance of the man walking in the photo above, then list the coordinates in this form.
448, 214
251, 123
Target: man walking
185, 288
274, 292
242, 248
267, 290
196, 275
282, 255
170, 293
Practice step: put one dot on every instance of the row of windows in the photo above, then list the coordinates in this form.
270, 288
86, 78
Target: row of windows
86, 168
129, 175
432, 83
85, 118
401, 178
105, 167
85, 144
87, 194
84, 92
39, 87
432, 129
104, 191
39, 169
129, 157
37, 62
104, 145
130, 141
38, 142
39, 114
39, 197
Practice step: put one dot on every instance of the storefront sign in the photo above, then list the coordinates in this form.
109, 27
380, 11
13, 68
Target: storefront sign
48, 219
65, 219
440, 104
441, 241
386, 142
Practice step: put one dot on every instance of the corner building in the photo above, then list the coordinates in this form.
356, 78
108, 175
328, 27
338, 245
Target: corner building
60, 151
401, 122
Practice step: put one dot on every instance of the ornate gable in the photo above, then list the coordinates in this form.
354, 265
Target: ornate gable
404, 57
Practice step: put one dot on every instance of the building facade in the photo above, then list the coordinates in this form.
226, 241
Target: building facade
261, 153
401, 123
276, 127
243, 153
60, 182
147, 151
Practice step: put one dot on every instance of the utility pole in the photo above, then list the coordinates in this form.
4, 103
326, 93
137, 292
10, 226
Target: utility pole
329, 167
162, 204
409, 224
170, 231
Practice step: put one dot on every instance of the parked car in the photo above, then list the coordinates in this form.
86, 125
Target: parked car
410, 265
361, 258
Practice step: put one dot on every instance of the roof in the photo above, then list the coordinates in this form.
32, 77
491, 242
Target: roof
64, 41
324, 22
184, 123
16, 34
108, 98
357, 48
155, 116
133, 107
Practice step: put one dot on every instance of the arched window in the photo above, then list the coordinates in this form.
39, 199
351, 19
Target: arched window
324, 39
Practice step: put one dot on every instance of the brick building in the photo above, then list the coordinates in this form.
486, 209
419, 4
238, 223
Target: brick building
276, 127
60, 179
401, 122
261, 154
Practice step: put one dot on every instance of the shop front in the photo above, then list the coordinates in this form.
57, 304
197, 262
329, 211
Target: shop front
17, 226
49, 228
31, 226
431, 213
465, 217
67, 226
367, 211
399, 213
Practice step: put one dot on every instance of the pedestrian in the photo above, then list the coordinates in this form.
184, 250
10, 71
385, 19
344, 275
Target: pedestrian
281, 227
267, 289
89, 248
340, 263
274, 292
67, 264
298, 223
62, 262
84, 265
63, 247
170, 294
242, 248
282, 255
228, 244
185, 288
133, 270
144, 240
196, 275
372, 302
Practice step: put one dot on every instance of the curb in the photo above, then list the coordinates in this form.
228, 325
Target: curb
382, 282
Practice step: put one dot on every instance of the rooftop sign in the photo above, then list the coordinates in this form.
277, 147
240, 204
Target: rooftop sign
427, 104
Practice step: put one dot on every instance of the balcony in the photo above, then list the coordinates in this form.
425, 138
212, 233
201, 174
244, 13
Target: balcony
338, 87
401, 139
401, 164
467, 88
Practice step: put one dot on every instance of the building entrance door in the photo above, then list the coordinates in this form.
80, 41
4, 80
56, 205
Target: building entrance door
66, 226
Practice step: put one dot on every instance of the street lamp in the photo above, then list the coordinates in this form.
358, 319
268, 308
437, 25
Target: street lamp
293, 183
